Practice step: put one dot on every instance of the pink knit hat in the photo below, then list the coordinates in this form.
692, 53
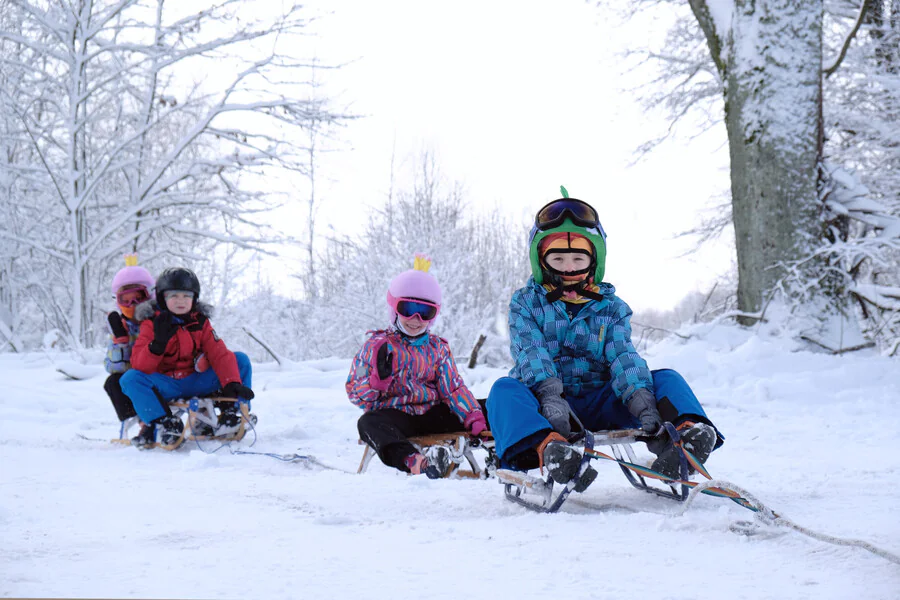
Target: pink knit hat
416, 283
132, 274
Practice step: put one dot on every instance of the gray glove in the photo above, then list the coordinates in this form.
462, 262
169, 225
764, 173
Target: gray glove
642, 404
554, 408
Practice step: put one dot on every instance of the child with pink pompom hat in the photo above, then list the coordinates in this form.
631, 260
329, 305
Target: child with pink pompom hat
131, 285
406, 381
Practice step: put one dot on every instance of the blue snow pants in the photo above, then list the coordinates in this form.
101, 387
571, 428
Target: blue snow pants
147, 391
517, 424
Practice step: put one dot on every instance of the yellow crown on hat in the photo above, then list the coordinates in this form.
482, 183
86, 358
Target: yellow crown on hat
421, 263
131, 260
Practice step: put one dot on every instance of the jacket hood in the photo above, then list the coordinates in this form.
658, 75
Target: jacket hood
145, 310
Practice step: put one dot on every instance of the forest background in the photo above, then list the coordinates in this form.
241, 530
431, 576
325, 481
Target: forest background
297, 157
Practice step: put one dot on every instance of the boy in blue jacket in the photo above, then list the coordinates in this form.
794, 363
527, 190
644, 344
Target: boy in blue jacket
570, 340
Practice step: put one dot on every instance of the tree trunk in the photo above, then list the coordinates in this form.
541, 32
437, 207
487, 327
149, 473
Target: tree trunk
770, 61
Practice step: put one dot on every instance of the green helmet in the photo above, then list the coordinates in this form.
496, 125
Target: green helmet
568, 215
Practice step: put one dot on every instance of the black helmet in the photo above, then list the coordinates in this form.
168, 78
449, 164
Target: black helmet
177, 278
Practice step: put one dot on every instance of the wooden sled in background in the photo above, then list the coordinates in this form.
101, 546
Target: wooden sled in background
461, 445
192, 411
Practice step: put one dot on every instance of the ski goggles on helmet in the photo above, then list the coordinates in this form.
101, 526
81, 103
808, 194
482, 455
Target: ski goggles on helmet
407, 307
555, 213
132, 297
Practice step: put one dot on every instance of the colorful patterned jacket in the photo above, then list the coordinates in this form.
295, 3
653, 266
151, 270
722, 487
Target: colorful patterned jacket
424, 375
118, 356
585, 352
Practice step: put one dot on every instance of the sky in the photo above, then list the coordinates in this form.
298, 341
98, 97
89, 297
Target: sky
515, 99
90, 519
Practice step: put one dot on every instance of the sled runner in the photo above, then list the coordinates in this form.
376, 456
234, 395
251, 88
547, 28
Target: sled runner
537, 493
461, 445
197, 412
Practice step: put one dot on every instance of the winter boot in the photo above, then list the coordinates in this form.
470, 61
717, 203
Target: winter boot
563, 461
145, 438
171, 431
697, 438
434, 463
438, 462
229, 421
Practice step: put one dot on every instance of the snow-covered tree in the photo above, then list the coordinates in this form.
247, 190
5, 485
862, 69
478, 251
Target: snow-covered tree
844, 254
143, 124
768, 55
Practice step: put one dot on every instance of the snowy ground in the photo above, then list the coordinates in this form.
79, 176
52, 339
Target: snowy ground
814, 437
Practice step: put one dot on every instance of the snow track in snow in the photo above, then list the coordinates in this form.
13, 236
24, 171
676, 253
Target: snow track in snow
812, 436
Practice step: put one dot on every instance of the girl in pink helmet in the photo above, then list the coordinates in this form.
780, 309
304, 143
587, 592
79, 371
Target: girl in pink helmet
131, 286
405, 379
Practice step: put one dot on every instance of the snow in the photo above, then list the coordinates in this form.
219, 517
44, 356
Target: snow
721, 12
813, 436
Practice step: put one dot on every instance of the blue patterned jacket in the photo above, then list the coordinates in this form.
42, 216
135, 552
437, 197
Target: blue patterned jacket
585, 352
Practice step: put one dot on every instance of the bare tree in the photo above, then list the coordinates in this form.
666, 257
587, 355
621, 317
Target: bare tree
478, 258
319, 133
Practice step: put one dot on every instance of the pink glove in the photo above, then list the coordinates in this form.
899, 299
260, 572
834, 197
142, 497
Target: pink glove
381, 372
201, 363
475, 422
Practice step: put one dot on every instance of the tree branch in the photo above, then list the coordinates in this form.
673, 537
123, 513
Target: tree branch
829, 71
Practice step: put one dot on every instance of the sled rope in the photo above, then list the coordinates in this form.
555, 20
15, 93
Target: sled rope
768, 516
306, 458
725, 489
282, 457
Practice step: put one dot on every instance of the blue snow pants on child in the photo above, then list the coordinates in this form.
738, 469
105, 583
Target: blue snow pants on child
143, 388
518, 426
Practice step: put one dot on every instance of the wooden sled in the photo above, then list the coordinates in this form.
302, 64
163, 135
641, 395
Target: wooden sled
193, 410
461, 445
203, 409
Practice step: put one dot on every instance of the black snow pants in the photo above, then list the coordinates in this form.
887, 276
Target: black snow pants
121, 402
388, 431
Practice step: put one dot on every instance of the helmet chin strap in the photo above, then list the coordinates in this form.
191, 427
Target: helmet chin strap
578, 287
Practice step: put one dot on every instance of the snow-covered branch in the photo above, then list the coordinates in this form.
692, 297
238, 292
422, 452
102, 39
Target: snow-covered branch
830, 69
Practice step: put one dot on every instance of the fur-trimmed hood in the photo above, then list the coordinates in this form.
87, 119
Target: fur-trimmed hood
145, 310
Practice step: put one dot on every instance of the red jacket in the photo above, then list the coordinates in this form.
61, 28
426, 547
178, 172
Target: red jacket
195, 337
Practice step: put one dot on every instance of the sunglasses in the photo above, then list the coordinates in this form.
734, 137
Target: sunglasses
554, 213
408, 308
133, 297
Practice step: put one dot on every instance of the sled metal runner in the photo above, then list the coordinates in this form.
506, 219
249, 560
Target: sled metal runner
536, 493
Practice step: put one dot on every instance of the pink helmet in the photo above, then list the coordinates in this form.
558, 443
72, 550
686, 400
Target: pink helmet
132, 274
416, 283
